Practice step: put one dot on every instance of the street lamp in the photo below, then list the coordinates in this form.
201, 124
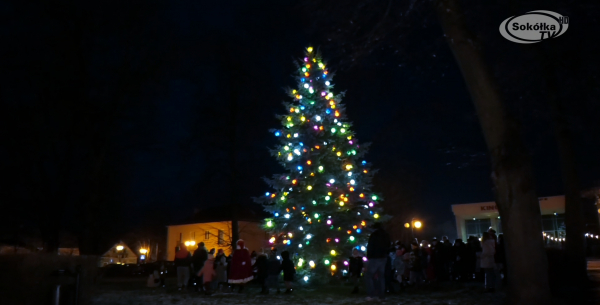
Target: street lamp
119, 252
143, 251
415, 224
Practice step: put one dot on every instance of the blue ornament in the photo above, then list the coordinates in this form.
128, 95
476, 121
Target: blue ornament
328, 111
364, 162
303, 79
302, 107
267, 194
301, 144
277, 133
299, 167
358, 230
303, 208
276, 214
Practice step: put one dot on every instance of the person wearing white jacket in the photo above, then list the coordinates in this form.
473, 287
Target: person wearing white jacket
488, 264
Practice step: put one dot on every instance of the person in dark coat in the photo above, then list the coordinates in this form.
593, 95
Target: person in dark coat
183, 262
377, 255
459, 252
261, 270
200, 256
415, 264
288, 271
445, 259
273, 270
355, 268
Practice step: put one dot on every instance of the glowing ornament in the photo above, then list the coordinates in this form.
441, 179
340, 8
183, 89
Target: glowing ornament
320, 168
272, 240
276, 214
339, 154
306, 278
289, 118
348, 166
305, 85
277, 133
286, 216
303, 69
309, 49
351, 238
331, 180
306, 74
332, 252
337, 113
316, 215
300, 261
364, 257
297, 110
342, 130
363, 223
358, 230
371, 204
327, 83
327, 198
299, 167
332, 130
329, 222
374, 197
308, 236
311, 264
362, 248
300, 228
349, 174
295, 135
297, 152
364, 162
290, 157
352, 181
309, 162
376, 216
311, 90
269, 223
299, 245
326, 262
309, 187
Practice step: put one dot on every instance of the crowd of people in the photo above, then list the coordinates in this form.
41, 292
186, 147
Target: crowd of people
420, 263
386, 267
211, 270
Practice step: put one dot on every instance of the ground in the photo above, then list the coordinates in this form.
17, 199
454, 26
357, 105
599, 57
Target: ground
133, 292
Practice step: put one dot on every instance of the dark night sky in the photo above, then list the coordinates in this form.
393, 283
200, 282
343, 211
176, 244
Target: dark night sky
168, 154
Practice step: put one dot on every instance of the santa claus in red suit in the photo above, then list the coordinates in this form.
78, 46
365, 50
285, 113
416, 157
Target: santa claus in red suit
241, 265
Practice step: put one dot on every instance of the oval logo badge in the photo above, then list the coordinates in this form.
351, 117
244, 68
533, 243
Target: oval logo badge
534, 26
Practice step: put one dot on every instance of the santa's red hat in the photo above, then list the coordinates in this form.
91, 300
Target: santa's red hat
240, 244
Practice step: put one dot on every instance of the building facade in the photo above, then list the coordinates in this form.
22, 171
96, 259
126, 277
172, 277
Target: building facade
215, 235
472, 219
119, 253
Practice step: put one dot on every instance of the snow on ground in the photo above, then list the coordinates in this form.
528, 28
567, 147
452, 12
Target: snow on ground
133, 293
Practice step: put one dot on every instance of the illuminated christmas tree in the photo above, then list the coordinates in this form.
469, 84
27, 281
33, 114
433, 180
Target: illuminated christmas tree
323, 205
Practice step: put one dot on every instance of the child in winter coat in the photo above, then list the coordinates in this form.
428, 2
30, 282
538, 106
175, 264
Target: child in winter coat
153, 280
288, 271
260, 267
399, 265
355, 268
273, 270
221, 270
208, 274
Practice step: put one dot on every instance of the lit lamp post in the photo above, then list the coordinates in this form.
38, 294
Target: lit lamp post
144, 253
415, 224
119, 252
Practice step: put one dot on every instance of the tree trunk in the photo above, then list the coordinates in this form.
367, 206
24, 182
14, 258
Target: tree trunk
574, 221
511, 166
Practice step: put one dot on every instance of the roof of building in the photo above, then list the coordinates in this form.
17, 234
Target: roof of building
225, 213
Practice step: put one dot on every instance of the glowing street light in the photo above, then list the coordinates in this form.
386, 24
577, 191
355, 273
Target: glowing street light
143, 251
418, 224
407, 225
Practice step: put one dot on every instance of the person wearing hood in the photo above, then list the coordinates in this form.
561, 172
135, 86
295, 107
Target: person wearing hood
208, 274
183, 262
241, 266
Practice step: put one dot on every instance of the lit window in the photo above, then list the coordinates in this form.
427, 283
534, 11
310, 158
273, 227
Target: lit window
221, 237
